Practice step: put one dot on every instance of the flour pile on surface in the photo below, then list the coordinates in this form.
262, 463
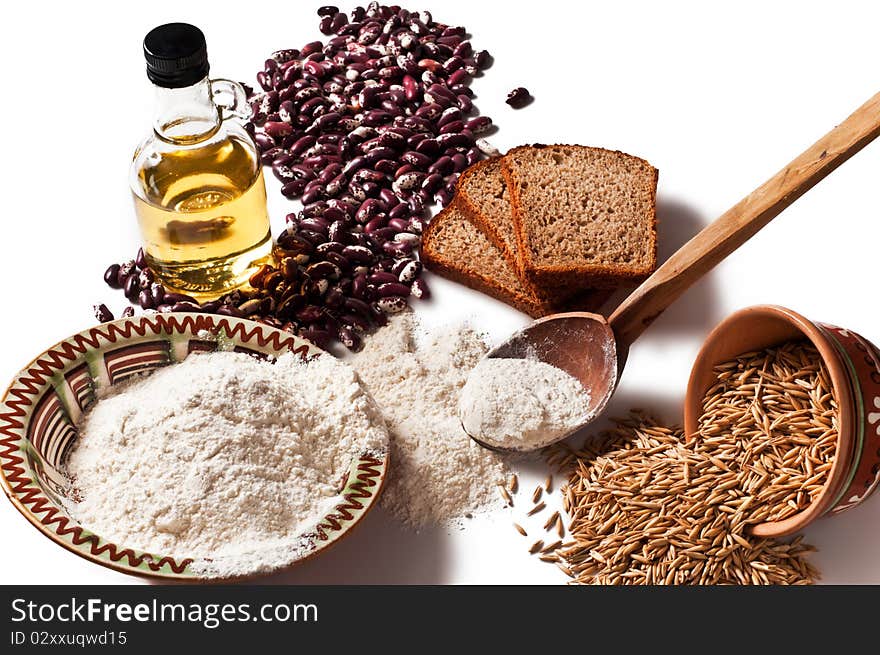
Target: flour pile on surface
222, 457
438, 475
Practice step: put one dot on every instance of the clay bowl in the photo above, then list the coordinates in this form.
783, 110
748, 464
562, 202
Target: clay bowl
42, 405
853, 364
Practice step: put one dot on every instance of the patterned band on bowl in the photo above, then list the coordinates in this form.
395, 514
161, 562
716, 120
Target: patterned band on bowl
43, 404
862, 362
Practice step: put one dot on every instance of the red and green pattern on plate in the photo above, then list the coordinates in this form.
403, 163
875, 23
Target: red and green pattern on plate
41, 407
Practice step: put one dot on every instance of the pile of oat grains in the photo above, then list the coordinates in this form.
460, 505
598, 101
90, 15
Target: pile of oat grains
648, 506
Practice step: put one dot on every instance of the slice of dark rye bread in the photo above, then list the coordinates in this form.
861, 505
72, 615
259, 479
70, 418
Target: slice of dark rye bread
453, 246
582, 216
483, 194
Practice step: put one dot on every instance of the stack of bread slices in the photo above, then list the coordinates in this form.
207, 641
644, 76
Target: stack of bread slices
548, 228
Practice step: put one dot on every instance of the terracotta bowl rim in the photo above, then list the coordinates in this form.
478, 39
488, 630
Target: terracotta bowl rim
841, 382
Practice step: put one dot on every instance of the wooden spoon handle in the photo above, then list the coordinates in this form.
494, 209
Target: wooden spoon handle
739, 223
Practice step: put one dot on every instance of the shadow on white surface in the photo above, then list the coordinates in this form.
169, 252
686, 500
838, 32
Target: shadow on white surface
847, 544
698, 310
378, 551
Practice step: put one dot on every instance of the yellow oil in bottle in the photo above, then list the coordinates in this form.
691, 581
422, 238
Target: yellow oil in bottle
203, 218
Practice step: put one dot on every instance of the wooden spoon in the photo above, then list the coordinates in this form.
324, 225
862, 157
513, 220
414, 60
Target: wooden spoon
593, 349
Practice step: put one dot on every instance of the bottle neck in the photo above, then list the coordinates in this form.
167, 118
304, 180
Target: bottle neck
186, 115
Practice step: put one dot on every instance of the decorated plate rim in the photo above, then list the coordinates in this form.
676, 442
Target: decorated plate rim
360, 491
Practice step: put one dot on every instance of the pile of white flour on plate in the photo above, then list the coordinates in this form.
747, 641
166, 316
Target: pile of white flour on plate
438, 475
222, 457
522, 403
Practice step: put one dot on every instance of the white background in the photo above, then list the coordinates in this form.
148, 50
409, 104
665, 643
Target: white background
717, 98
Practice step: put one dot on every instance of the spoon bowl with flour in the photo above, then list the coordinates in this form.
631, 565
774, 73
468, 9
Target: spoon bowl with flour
534, 389
520, 405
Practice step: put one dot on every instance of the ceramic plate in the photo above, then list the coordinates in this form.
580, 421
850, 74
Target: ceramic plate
41, 407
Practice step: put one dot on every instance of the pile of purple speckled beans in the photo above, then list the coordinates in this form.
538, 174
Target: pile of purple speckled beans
367, 130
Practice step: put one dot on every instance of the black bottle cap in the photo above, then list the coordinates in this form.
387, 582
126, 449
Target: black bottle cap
176, 55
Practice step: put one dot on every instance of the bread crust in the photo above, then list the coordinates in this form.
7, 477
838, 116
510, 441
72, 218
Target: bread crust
457, 272
554, 292
534, 306
588, 275
477, 217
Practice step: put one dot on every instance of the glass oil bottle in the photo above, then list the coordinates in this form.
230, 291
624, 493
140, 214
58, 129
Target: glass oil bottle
197, 183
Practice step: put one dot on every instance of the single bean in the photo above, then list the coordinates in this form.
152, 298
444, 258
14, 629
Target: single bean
454, 140
420, 289
184, 307
174, 298
407, 237
487, 148
111, 277
339, 260
429, 147
102, 313
293, 188
393, 289
417, 159
321, 338
431, 183
357, 305
409, 271
375, 224
338, 231
381, 277
397, 249
131, 287
358, 254
442, 166
407, 180
277, 129
124, 272
158, 293
399, 210
349, 338
145, 299
479, 124
382, 234
429, 111
519, 97
399, 224
273, 281
325, 269
392, 304
315, 225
